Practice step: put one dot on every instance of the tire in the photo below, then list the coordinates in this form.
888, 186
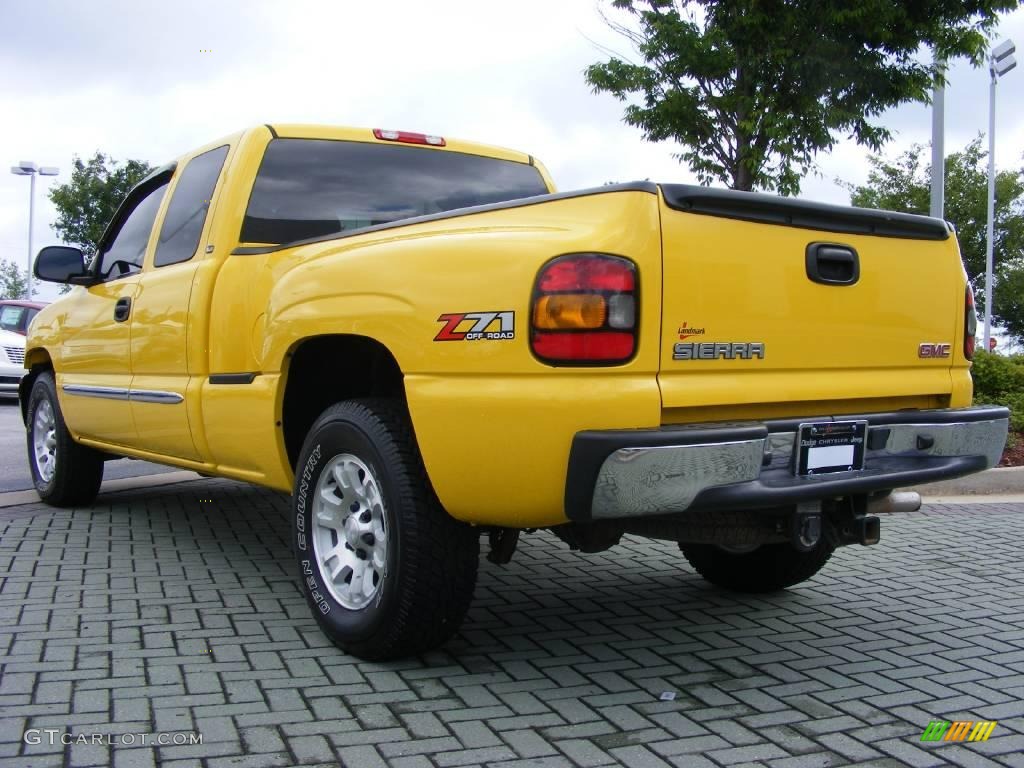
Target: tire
395, 599
64, 473
769, 568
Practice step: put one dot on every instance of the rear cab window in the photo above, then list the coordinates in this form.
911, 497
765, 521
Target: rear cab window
308, 188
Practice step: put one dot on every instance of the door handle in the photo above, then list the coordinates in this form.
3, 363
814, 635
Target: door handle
832, 264
122, 309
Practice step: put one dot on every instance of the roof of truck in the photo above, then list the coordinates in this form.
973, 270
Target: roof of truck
343, 133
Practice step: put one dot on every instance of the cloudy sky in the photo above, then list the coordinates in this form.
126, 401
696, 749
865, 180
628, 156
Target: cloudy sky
134, 80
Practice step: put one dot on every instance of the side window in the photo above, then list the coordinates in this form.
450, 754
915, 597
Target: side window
123, 256
186, 214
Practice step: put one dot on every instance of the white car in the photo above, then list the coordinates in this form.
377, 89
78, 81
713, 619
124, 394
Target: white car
12, 363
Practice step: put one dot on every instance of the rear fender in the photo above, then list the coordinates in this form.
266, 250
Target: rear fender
493, 423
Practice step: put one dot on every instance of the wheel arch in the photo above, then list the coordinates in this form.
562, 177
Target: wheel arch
37, 361
326, 369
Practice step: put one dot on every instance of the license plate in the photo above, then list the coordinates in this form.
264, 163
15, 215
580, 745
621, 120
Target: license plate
831, 446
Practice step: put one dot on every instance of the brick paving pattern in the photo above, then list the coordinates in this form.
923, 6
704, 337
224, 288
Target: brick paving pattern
176, 610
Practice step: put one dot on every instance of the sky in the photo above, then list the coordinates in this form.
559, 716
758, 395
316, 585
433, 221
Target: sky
152, 79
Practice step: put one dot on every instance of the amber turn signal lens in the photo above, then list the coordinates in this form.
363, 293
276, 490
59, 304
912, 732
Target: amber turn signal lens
569, 310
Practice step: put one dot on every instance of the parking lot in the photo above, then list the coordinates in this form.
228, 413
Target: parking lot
14, 475
174, 609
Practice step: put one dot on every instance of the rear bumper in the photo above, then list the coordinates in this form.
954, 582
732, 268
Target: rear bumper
749, 465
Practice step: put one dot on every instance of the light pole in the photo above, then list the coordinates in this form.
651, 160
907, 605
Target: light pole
30, 169
938, 149
1000, 62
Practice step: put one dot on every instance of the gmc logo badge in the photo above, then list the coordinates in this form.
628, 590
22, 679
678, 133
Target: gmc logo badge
933, 350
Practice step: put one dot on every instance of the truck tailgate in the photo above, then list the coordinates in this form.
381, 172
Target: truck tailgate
762, 304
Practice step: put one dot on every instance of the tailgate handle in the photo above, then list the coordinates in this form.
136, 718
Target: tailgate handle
832, 264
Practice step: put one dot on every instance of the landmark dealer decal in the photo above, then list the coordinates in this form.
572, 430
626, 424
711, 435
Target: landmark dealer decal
477, 326
685, 330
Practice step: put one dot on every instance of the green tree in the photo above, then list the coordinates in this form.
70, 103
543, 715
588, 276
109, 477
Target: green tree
903, 184
13, 282
87, 202
1009, 300
754, 89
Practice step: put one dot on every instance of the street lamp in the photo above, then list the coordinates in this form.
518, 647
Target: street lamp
30, 169
937, 206
1000, 62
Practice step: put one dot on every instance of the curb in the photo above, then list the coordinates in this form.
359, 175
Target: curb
994, 498
19, 498
1000, 485
1002, 481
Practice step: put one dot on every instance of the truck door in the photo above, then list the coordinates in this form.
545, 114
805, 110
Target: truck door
160, 342
95, 380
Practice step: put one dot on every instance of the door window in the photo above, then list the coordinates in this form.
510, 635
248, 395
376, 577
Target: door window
123, 254
186, 214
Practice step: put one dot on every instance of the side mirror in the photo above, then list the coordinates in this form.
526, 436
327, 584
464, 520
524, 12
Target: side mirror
62, 264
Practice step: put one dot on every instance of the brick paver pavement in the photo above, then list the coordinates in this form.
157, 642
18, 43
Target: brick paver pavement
175, 610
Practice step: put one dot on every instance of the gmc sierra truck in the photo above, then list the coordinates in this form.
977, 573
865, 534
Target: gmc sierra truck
423, 342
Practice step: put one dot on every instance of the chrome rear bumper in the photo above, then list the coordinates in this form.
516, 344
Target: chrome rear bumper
750, 465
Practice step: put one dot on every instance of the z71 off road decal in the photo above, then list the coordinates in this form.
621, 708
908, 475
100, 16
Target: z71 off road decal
474, 326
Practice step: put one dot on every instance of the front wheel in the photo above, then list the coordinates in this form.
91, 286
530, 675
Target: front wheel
64, 473
768, 568
386, 571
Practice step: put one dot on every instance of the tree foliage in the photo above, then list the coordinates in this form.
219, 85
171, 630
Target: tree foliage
1009, 299
87, 202
754, 89
999, 380
13, 282
904, 184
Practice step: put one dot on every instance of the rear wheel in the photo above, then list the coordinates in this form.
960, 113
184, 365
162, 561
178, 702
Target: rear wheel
64, 473
768, 568
386, 571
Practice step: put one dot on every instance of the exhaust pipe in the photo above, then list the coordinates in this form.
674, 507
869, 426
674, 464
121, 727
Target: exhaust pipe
904, 501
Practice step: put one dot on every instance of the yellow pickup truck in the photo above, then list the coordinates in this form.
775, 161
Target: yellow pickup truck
422, 341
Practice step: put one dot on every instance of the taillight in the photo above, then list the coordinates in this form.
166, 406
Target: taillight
408, 137
584, 310
970, 323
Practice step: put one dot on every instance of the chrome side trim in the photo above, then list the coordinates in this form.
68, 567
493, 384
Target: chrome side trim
657, 481
108, 393
118, 393
154, 396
